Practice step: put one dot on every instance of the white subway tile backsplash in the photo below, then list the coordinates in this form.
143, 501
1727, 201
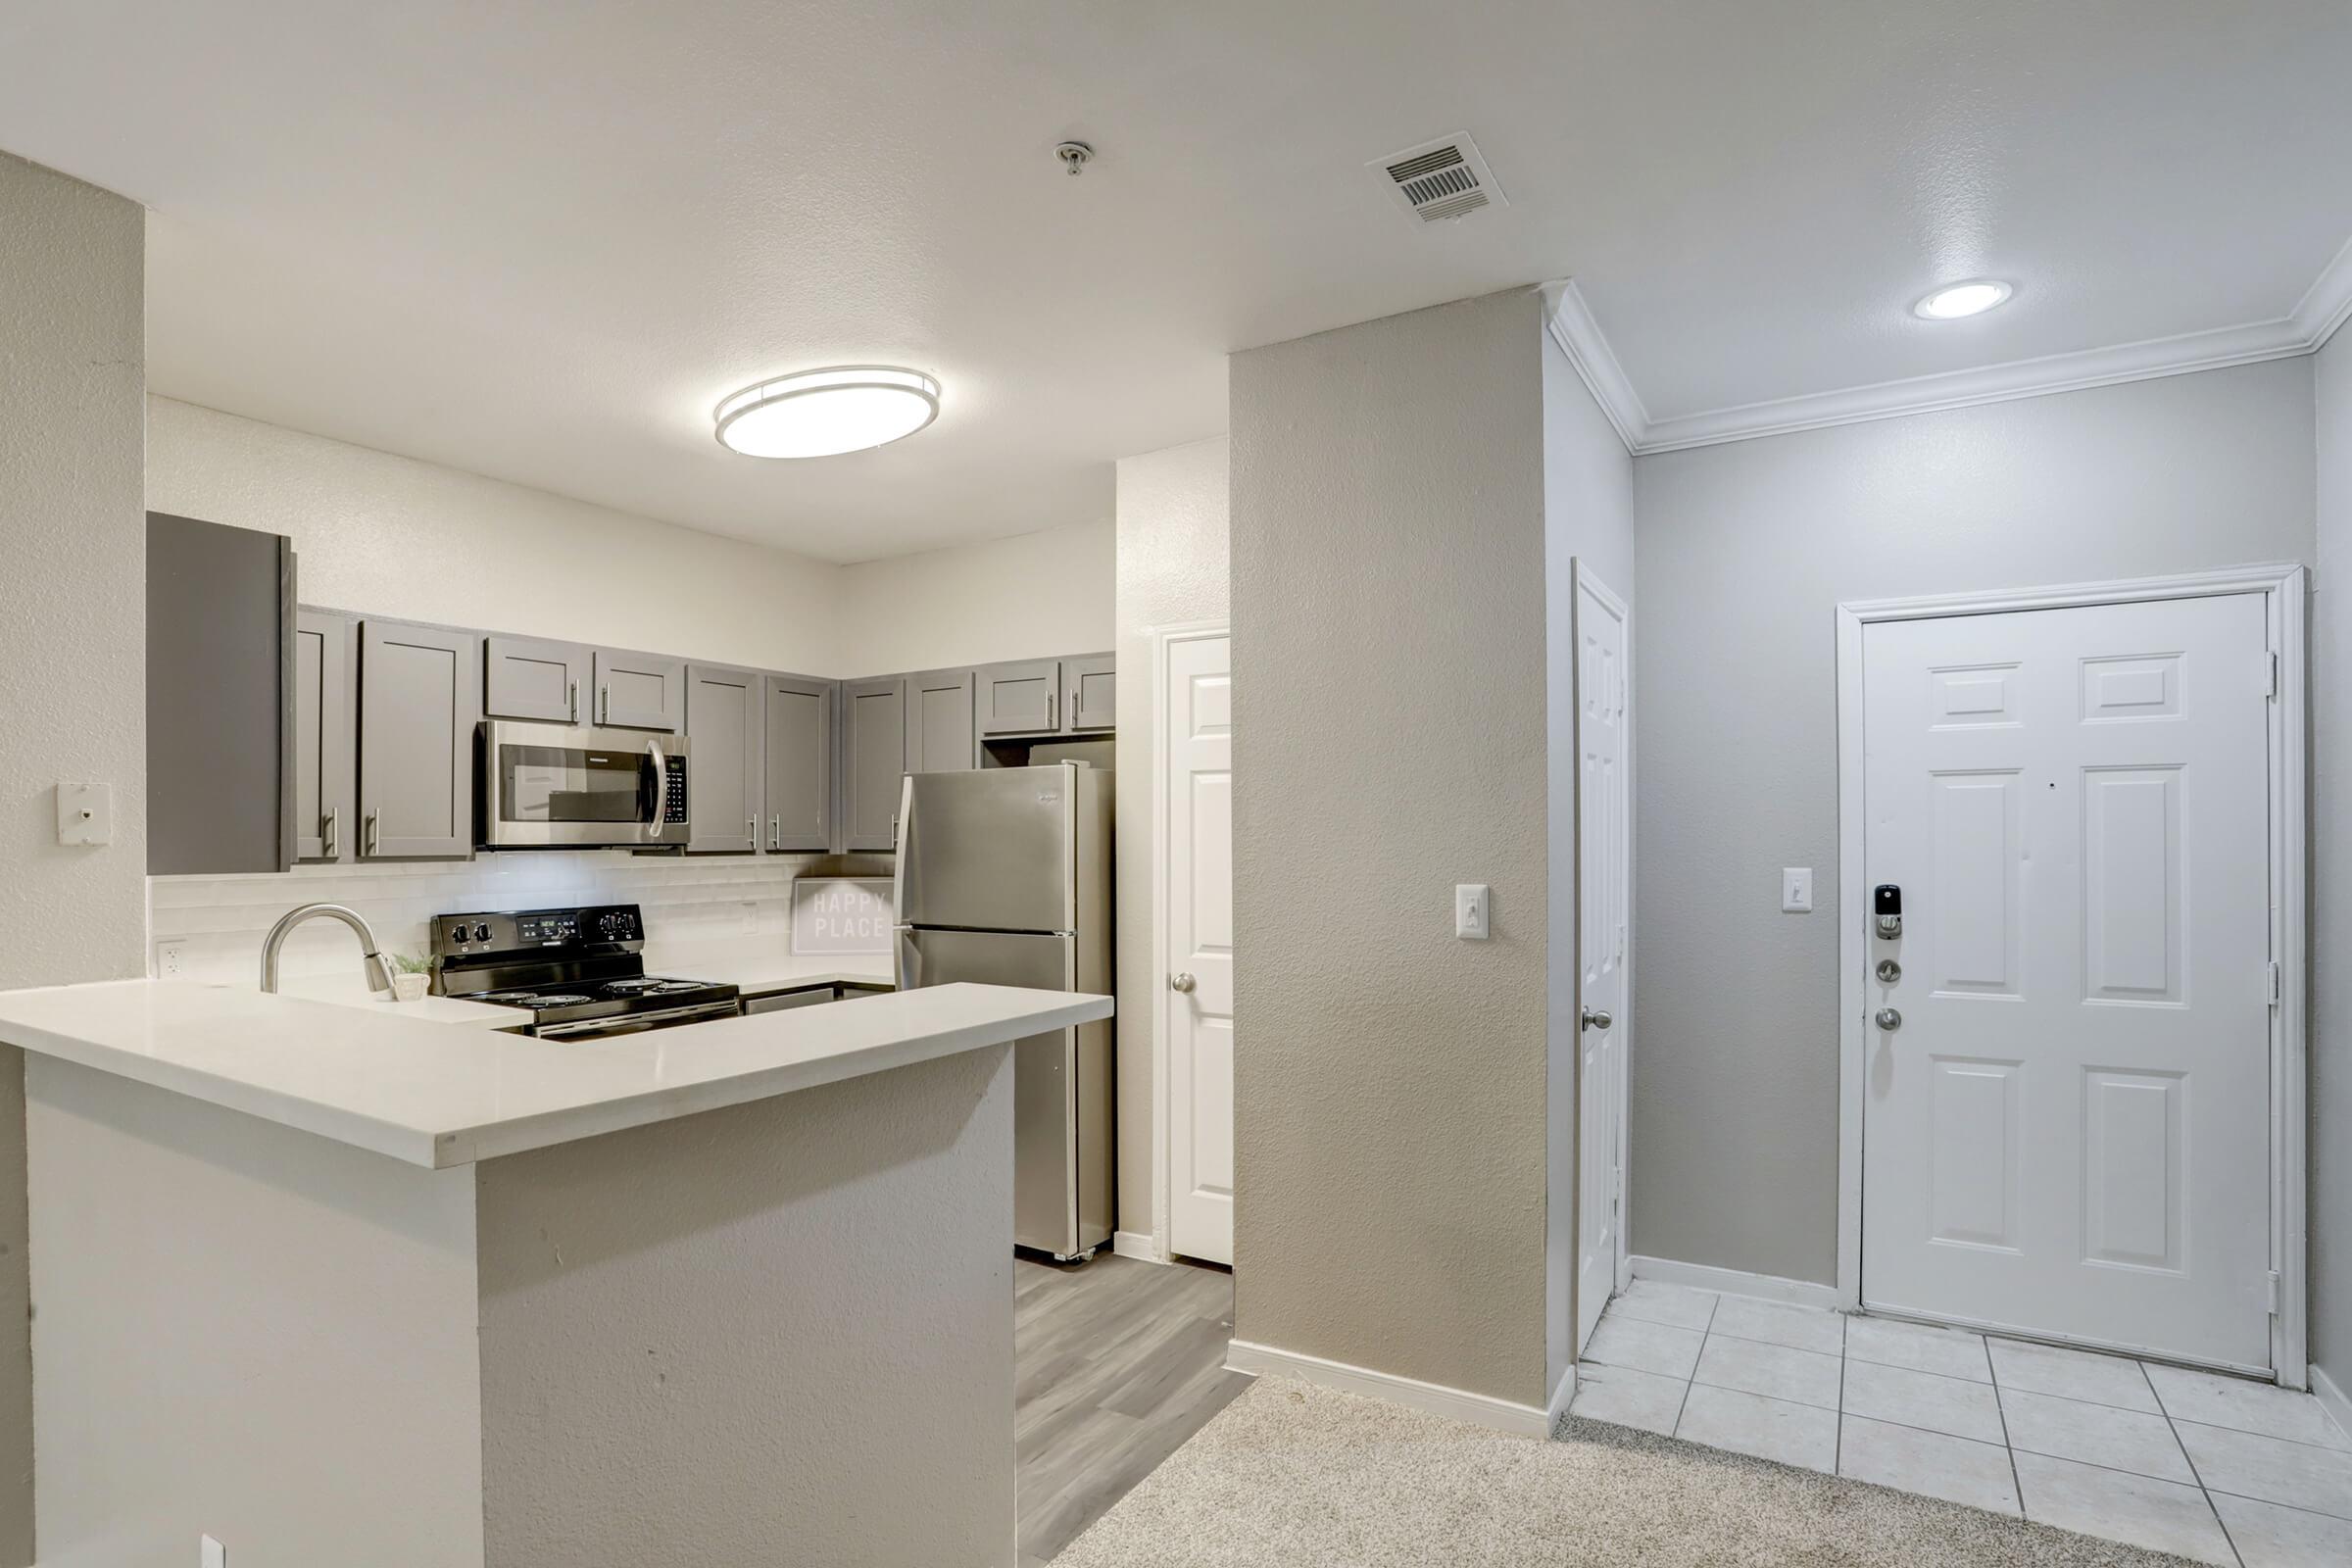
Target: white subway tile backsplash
219, 921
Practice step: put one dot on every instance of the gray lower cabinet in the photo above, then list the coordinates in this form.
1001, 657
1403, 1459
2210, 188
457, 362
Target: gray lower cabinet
420, 698
524, 678
1089, 690
727, 720
326, 737
941, 735
1020, 699
873, 759
800, 762
640, 691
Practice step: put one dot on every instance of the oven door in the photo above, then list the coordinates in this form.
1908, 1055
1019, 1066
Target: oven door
633, 1023
558, 786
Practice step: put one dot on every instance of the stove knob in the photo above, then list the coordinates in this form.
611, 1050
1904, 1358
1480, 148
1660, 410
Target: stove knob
481, 933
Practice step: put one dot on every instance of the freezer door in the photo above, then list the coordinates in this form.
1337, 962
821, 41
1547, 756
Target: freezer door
1046, 1172
989, 850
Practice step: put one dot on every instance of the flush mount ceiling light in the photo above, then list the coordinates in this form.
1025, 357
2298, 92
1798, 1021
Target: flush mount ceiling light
1956, 299
815, 414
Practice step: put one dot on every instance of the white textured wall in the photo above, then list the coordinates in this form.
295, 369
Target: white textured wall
73, 659
1746, 550
2330, 1215
1388, 539
247, 1331
1588, 516
1173, 567
394, 536
1034, 596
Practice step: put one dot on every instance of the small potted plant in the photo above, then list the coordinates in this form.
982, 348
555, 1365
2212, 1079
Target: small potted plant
412, 979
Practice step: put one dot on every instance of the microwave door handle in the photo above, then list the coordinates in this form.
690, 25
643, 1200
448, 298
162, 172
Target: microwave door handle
653, 824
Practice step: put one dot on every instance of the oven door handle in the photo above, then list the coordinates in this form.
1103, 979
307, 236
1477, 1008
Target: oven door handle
639, 1023
653, 821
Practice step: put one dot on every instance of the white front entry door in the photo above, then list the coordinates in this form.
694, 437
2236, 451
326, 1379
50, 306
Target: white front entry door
1604, 915
2067, 1131
1195, 737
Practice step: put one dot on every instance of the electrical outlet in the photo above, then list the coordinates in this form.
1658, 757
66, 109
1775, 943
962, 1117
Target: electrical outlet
210, 1553
1796, 890
170, 959
1470, 911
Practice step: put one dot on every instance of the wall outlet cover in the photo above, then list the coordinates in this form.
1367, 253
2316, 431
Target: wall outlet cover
1796, 890
1471, 914
170, 959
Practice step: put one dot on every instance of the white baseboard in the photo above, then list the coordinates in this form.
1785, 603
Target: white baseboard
1138, 1245
1736, 1282
1479, 1410
2331, 1399
1561, 1397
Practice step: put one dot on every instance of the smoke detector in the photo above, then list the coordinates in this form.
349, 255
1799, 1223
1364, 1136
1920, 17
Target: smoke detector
1440, 180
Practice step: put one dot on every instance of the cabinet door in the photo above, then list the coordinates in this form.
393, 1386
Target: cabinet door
725, 719
421, 697
873, 759
1023, 699
940, 734
326, 739
525, 678
640, 691
1089, 690
800, 762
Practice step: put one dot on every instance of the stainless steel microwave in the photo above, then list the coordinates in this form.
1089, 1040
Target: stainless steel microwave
560, 786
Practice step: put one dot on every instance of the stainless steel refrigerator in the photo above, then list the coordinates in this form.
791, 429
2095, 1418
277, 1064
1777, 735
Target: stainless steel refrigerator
1004, 877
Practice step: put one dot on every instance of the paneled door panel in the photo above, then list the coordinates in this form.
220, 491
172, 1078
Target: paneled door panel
799, 764
2075, 803
420, 698
1196, 745
640, 691
325, 740
524, 678
940, 733
1090, 694
1021, 699
725, 714
1603, 924
874, 759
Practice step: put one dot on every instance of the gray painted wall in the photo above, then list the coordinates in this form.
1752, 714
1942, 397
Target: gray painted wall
1173, 567
1587, 513
2331, 1214
72, 651
1387, 538
1735, 1137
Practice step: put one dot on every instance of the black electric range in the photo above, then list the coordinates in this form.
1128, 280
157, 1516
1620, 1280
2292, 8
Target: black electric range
579, 971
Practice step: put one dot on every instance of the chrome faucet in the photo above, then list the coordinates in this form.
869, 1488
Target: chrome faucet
379, 977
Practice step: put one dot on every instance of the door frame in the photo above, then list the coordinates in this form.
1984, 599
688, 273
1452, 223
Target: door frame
1163, 1030
2284, 587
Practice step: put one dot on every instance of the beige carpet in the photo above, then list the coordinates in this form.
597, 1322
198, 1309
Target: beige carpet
1298, 1476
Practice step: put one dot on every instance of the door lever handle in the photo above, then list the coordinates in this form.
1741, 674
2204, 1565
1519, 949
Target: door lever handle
1594, 1020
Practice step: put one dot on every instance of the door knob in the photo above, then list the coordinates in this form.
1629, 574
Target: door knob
1888, 1019
1181, 982
1597, 1020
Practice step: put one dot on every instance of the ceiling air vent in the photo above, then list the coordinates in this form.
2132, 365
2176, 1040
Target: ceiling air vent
1441, 180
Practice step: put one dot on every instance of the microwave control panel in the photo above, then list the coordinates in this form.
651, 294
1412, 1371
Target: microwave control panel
673, 795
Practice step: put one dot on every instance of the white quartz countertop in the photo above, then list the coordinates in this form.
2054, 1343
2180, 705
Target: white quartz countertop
434, 1095
351, 991
760, 965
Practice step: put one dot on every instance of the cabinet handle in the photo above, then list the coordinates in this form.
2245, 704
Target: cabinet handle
1053, 703
372, 835
572, 699
603, 704
755, 821
775, 834
331, 831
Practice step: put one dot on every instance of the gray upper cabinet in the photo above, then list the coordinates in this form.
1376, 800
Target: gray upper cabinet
873, 759
1020, 699
640, 691
524, 678
1089, 690
800, 762
419, 699
941, 737
326, 737
725, 719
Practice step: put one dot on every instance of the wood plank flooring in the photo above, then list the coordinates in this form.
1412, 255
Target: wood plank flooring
1117, 1364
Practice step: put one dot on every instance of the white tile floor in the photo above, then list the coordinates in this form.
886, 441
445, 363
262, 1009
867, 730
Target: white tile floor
2216, 1469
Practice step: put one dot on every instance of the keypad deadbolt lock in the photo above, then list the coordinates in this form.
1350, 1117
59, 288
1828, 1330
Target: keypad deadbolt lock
1886, 903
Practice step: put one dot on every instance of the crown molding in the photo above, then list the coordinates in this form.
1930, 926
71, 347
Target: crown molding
2323, 308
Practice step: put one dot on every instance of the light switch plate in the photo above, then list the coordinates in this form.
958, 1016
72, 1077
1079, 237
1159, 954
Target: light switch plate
85, 814
1470, 912
1796, 890
210, 1553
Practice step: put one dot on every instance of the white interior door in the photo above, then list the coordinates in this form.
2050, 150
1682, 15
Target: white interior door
1604, 918
1197, 750
2067, 1132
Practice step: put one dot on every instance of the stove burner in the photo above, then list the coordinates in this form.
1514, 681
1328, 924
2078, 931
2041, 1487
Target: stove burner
556, 1002
629, 988
506, 996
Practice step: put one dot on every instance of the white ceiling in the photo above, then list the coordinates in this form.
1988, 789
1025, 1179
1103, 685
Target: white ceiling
539, 241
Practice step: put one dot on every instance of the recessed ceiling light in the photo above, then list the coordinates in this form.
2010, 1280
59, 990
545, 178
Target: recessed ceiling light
1956, 300
815, 414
